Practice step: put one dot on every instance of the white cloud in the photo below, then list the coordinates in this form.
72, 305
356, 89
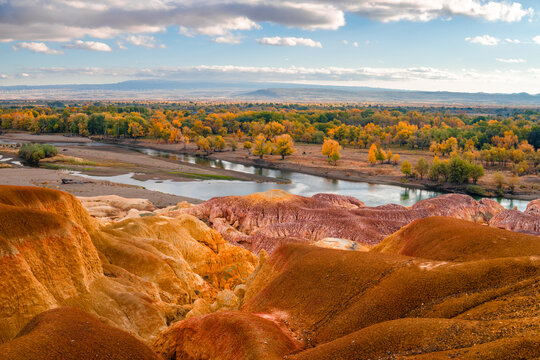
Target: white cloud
24, 75
513, 41
355, 44
142, 40
3, 76
486, 40
426, 10
65, 20
536, 39
37, 47
289, 41
345, 42
88, 45
228, 39
512, 61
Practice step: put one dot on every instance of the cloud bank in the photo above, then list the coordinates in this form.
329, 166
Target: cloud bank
66, 20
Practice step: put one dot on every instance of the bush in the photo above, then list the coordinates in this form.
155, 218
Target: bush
32, 153
406, 168
475, 190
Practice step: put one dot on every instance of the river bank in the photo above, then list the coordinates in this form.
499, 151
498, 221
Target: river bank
353, 166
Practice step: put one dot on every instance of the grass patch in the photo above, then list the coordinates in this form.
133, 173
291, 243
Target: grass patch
204, 176
70, 160
53, 166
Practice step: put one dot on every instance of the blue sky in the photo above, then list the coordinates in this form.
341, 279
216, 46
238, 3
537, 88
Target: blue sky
456, 45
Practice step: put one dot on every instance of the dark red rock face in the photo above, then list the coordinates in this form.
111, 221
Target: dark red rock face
268, 220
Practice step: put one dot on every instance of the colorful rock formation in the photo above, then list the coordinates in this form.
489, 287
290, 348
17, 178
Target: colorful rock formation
139, 274
268, 220
339, 304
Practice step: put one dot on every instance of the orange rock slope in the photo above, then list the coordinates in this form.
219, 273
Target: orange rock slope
339, 304
139, 274
268, 220
70, 334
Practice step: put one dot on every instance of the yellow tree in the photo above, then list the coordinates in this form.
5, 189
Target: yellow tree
284, 145
331, 148
261, 147
135, 129
248, 145
372, 155
219, 143
203, 144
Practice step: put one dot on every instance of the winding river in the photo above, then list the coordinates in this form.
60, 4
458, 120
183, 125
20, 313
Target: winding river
291, 181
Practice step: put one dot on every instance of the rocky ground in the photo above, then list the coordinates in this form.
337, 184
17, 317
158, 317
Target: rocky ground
118, 278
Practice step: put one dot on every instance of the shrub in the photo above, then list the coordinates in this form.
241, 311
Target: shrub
32, 153
406, 168
475, 190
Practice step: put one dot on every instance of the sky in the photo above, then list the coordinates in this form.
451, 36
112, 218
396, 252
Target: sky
435, 45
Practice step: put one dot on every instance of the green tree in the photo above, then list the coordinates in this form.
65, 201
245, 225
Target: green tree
422, 167
458, 170
476, 172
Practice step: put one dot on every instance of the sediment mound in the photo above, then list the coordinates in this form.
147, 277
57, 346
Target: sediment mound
71, 334
226, 336
49, 200
271, 219
347, 305
448, 239
527, 222
138, 274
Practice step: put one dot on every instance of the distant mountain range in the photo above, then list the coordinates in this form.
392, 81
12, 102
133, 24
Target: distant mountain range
260, 92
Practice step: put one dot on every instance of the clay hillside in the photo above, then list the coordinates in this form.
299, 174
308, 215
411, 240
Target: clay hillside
266, 276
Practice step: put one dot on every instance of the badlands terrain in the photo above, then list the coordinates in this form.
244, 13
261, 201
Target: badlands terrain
266, 276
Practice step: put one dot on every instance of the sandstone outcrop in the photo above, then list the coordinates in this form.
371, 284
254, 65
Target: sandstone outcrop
527, 222
268, 220
113, 207
138, 274
71, 334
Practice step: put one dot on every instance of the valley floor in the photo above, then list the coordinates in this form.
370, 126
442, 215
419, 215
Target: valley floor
352, 166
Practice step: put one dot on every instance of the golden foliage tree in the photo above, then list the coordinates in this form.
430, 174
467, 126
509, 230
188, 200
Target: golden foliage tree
331, 149
261, 147
284, 145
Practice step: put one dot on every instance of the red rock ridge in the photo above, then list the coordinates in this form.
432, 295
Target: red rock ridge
268, 220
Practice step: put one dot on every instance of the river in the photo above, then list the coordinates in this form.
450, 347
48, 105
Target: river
290, 181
